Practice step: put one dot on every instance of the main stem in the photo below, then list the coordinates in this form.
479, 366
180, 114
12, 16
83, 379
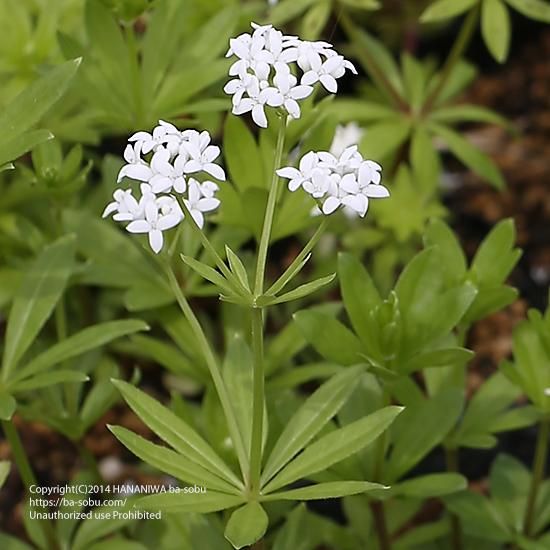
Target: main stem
539, 466
451, 458
460, 45
258, 398
257, 402
270, 210
27, 475
213, 367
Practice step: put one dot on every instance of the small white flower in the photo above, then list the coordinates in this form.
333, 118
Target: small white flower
346, 136
331, 69
310, 54
167, 175
163, 133
154, 224
298, 177
124, 207
136, 168
348, 181
202, 156
255, 103
198, 204
288, 93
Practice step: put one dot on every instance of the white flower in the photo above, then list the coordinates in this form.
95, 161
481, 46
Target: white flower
124, 206
331, 69
202, 156
348, 181
287, 93
346, 136
172, 155
154, 223
167, 175
299, 176
267, 71
198, 203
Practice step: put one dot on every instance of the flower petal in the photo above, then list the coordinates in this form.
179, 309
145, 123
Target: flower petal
156, 240
138, 226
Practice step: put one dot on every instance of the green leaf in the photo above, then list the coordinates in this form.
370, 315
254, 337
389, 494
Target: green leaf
310, 419
439, 234
359, 110
495, 28
288, 9
7, 405
237, 267
477, 161
304, 290
208, 273
29, 106
18, 146
446, 357
329, 337
49, 379
174, 431
359, 294
315, 20
467, 113
4, 471
496, 257
170, 462
8, 542
445, 9
384, 138
362, 4
431, 485
478, 516
81, 342
41, 288
244, 161
331, 489
424, 159
195, 503
419, 429
334, 447
246, 525
535, 9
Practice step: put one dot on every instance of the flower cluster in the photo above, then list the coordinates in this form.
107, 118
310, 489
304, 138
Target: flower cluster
347, 181
267, 67
164, 161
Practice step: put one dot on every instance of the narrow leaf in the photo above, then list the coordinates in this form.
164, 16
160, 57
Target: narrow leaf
332, 489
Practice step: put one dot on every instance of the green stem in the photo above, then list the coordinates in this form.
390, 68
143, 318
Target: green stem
369, 61
289, 272
379, 515
209, 247
451, 458
539, 466
27, 476
213, 367
257, 401
460, 45
270, 210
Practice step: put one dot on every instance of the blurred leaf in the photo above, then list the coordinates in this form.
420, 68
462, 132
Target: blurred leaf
7, 405
445, 9
495, 28
246, 525
431, 485
196, 503
471, 156
41, 288
332, 489
315, 20
536, 9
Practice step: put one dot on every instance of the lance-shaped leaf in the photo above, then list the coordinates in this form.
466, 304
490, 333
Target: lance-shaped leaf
41, 288
329, 337
310, 419
7, 405
299, 292
431, 485
331, 489
237, 267
174, 431
246, 525
334, 447
49, 379
535, 9
170, 462
79, 343
196, 503
208, 273
445, 9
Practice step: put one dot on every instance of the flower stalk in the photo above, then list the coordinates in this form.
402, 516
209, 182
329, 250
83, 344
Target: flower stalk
451, 459
539, 466
213, 368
